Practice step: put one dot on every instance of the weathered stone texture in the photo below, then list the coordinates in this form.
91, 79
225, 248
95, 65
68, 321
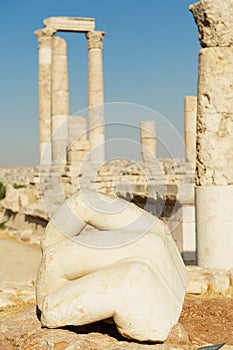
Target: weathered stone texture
214, 221
20, 329
96, 96
96, 290
23, 331
78, 143
209, 281
60, 101
198, 283
190, 118
148, 140
215, 117
77, 129
95, 39
53, 88
215, 22
44, 90
219, 280
214, 168
70, 24
11, 201
154, 186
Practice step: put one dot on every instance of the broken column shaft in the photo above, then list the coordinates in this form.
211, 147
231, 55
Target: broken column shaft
214, 168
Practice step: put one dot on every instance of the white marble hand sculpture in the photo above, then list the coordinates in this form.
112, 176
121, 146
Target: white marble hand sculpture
130, 270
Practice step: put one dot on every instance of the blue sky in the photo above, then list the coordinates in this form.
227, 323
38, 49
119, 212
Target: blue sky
150, 59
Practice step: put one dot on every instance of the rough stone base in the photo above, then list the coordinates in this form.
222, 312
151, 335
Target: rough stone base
23, 331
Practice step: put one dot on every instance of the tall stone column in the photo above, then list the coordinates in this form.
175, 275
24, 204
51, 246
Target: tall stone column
44, 90
60, 101
214, 172
96, 97
190, 118
148, 140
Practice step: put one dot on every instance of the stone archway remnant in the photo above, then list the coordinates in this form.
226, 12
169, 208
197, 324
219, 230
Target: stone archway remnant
54, 94
214, 166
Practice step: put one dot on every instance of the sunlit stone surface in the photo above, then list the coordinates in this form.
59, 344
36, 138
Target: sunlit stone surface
130, 271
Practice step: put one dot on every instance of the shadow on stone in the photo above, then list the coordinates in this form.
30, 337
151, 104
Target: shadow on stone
38, 313
107, 328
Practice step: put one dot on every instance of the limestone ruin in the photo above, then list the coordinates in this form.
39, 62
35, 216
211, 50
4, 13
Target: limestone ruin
55, 137
139, 280
72, 153
214, 167
71, 160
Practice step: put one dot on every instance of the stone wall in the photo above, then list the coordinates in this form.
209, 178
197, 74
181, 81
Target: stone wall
202, 282
164, 188
20, 175
22, 209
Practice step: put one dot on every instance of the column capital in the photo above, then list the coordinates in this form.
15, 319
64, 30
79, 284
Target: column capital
95, 39
44, 33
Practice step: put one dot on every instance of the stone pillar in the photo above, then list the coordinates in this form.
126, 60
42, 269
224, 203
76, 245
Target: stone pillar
60, 101
148, 140
182, 225
77, 129
44, 90
214, 172
78, 143
96, 97
190, 118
